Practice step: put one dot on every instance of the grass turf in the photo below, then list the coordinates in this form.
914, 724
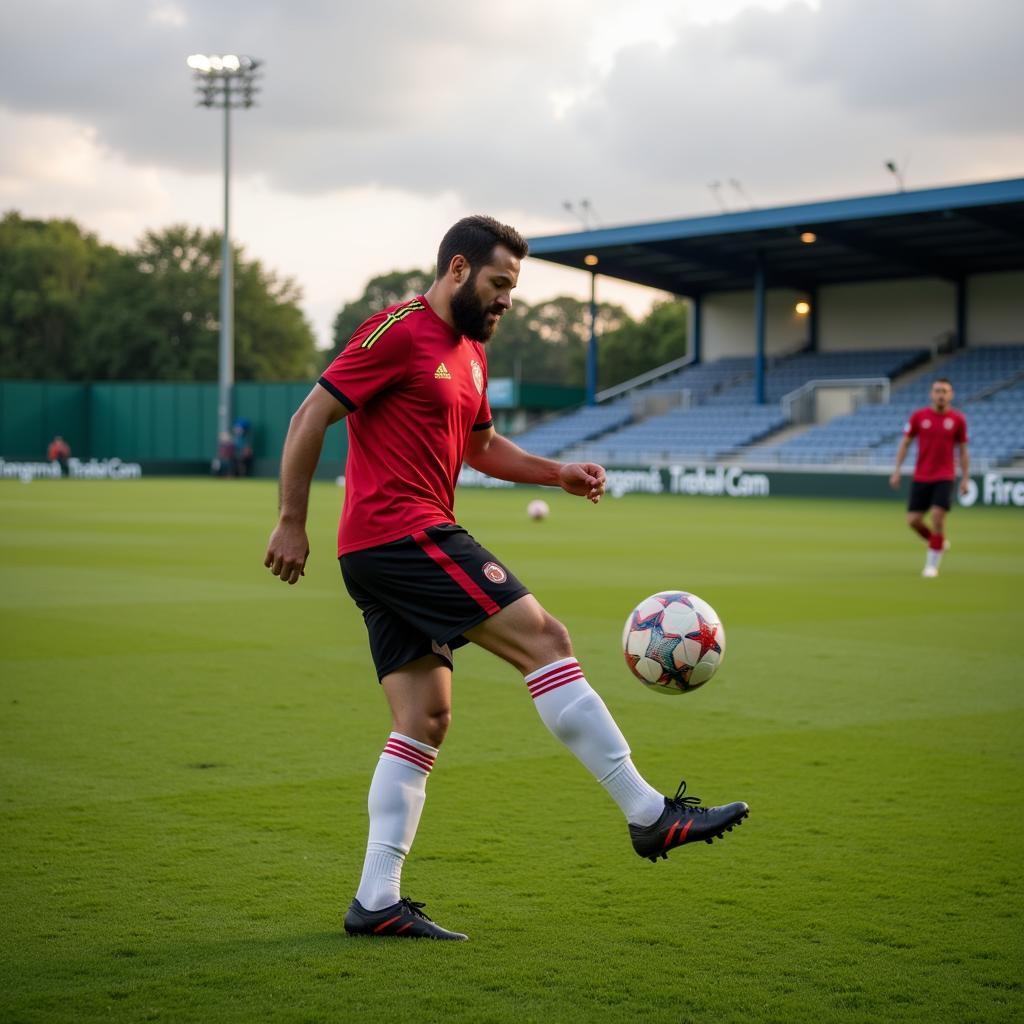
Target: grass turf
186, 746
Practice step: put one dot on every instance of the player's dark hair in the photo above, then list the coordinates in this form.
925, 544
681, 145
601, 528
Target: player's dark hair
943, 380
475, 238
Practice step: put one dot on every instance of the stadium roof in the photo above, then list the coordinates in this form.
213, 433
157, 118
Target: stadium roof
947, 233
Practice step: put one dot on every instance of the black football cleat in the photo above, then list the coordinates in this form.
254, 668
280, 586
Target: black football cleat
685, 821
403, 919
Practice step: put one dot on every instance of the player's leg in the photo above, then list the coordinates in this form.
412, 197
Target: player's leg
526, 636
937, 543
416, 677
917, 505
419, 695
915, 520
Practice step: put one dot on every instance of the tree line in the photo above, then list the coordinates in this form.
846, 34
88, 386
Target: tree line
75, 308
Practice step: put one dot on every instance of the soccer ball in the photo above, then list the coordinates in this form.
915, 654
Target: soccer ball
537, 509
673, 642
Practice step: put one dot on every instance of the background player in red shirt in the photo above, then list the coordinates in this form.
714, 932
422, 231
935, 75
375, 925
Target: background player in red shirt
939, 428
412, 382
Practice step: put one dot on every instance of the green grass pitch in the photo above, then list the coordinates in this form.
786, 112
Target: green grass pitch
187, 744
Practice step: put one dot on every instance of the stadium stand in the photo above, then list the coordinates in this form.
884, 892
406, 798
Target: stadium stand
554, 435
789, 374
572, 429
986, 392
719, 419
704, 432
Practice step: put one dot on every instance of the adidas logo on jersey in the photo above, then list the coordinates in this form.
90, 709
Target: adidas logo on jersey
441, 373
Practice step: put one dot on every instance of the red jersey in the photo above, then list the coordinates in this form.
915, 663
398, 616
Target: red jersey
936, 434
415, 390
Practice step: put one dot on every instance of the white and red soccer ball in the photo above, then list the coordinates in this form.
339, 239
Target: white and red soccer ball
537, 509
673, 642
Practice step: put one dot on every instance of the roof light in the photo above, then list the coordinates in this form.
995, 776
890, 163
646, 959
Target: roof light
808, 237
802, 308
591, 260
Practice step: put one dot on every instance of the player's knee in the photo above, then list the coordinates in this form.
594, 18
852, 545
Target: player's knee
914, 519
436, 726
556, 638
426, 725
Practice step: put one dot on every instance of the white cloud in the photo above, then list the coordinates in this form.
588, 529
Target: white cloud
380, 123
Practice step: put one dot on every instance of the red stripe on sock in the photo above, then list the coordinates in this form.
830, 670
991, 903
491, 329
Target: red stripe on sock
456, 572
555, 673
936, 541
555, 685
405, 757
567, 673
561, 677
398, 749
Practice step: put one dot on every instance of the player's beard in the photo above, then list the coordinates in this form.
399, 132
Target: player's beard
471, 317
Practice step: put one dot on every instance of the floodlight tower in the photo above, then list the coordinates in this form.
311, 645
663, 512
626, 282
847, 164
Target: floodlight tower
226, 82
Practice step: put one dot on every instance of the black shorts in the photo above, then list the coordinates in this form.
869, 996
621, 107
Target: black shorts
418, 595
925, 494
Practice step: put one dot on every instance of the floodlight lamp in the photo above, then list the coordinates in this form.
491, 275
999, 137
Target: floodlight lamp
808, 237
216, 63
802, 308
199, 62
590, 260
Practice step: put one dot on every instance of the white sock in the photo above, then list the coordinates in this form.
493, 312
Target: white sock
397, 794
933, 558
577, 716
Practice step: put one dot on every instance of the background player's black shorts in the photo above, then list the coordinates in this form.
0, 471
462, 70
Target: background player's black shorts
418, 595
925, 494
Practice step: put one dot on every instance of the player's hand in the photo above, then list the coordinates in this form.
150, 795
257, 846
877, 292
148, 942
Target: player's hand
287, 551
965, 485
894, 480
585, 479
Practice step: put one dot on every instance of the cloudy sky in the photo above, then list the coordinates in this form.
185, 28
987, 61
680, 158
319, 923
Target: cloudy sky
380, 123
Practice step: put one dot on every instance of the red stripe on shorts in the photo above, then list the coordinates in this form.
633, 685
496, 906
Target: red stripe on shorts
456, 572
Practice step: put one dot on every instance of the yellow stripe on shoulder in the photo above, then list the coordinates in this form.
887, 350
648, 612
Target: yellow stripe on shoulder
390, 320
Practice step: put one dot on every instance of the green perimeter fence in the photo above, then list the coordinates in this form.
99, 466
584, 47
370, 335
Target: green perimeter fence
171, 427
163, 425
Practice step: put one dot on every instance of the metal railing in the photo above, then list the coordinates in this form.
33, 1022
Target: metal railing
800, 405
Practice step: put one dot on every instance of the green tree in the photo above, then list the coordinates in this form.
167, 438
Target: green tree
633, 347
547, 342
73, 308
48, 273
177, 310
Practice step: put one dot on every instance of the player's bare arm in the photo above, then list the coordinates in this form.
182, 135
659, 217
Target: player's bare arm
288, 547
901, 454
965, 469
497, 456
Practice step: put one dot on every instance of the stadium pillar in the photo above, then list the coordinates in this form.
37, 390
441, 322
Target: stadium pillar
961, 312
696, 325
812, 321
592, 346
759, 329
226, 360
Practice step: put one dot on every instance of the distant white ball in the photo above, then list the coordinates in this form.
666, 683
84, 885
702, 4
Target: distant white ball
537, 509
673, 642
